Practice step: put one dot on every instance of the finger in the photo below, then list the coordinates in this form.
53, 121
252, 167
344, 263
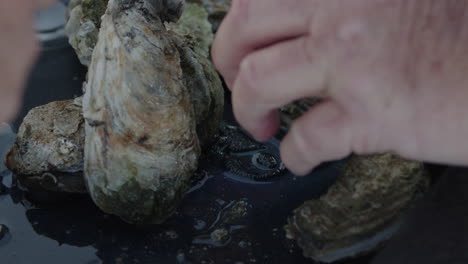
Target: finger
322, 134
9, 106
16, 56
251, 25
44, 3
12, 87
274, 77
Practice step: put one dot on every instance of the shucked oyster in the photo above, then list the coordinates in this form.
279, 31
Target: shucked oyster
141, 142
361, 210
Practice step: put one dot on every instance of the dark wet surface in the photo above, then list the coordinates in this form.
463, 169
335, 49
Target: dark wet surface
76, 232
225, 218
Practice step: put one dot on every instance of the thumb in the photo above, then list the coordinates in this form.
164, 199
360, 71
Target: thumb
322, 134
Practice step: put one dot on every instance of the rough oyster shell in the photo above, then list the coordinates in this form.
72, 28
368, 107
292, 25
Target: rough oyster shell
361, 210
48, 152
217, 10
206, 91
194, 24
84, 21
141, 143
82, 28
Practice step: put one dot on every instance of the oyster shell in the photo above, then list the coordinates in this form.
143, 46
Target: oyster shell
48, 151
206, 91
84, 21
194, 24
82, 28
217, 10
361, 210
141, 142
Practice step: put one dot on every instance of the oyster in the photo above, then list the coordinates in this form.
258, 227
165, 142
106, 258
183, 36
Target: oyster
194, 24
84, 21
48, 151
217, 10
141, 142
206, 91
82, 28
361, 210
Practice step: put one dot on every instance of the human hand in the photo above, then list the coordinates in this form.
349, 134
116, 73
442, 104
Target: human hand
393, 75
18, 50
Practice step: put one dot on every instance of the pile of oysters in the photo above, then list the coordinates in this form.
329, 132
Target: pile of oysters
153, 102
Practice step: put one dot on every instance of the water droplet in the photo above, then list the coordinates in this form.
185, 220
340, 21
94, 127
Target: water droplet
199, 224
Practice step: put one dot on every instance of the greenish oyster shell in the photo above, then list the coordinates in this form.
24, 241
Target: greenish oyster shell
84, 21
195, 26
193, 38
48, 151
361, 210
216, 9
142, 144
82, 28
206, 90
